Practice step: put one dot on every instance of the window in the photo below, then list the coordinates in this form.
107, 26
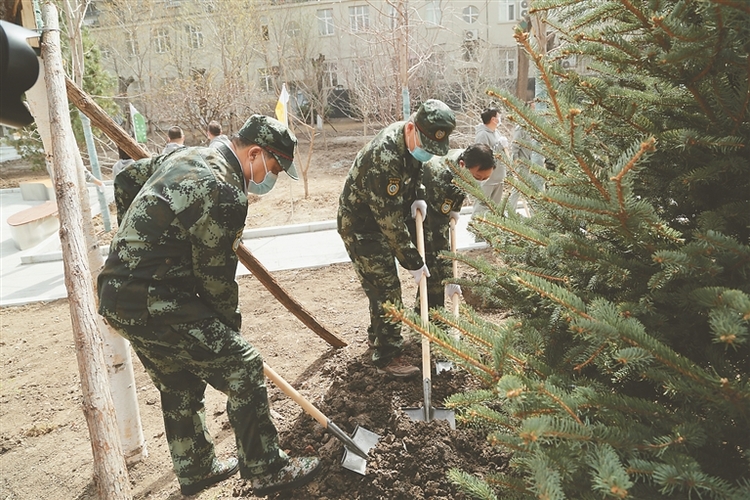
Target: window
434, 15
393, 17
509, 10
265, 79
131, 44
195, 36
292, 29
161, 40
470, 14
507, 59
359, 18
330, 78
325, 22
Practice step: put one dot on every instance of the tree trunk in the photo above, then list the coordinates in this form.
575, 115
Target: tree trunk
110, 472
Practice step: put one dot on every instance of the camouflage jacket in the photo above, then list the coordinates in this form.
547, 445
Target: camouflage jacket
441, 195
383, 182
172, 259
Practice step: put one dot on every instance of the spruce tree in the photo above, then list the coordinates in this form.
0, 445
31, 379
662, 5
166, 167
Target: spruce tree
622, 368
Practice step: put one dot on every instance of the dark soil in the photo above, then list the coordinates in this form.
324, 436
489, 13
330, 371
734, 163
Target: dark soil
411, 459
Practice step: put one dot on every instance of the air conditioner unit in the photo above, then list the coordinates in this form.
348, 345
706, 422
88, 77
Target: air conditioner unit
523, 8
470, 35
569, 62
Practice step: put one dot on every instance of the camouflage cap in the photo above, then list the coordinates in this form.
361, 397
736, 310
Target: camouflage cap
435, 122
274, 137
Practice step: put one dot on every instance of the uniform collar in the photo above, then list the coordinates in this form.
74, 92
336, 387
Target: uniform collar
231, 157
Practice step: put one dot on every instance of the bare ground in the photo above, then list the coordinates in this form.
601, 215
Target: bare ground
44, 447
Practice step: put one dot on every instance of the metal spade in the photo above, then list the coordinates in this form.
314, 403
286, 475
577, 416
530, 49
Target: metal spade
427, 413
356, 447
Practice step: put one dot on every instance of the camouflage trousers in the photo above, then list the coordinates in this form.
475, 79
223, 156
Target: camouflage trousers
181, 359
375, 265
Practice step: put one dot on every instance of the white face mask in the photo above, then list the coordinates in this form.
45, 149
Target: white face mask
269, 180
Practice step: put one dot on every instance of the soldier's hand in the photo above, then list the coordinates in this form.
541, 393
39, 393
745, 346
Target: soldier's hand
455, 216
420, 205
418, 273
452, 289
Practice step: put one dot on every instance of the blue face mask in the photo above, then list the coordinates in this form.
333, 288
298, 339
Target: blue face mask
266, 184
420, 154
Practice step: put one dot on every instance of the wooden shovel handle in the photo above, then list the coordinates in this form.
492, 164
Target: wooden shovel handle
290, 391
260, 272
423, 306
455, 298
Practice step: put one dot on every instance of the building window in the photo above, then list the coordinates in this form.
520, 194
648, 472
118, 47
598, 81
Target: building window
359, 18
195, 37
161, 40
330, 77
265, 79
131, 44
508, 56
292, 29
470, 14
393, 17
434, 15
513, 10
325, 22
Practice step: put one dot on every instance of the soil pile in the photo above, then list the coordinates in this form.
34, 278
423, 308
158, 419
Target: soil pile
411, 458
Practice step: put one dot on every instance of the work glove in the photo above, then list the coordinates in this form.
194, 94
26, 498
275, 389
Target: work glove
455, 216
420, 205
417, 273
452, 289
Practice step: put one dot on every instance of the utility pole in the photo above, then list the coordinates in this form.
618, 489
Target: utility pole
403, 55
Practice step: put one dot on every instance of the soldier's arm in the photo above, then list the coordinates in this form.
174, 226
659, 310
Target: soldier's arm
390, 203
221, 222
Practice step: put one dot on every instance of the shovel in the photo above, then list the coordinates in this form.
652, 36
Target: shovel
446, 365
427, 413
356, 447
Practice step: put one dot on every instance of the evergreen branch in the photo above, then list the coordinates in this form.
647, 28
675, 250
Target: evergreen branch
592, 177
646, 146
516, 231
524, 39
560, 402
577, 309
398, 315
535, 126
591, 358
741, 5
471, 485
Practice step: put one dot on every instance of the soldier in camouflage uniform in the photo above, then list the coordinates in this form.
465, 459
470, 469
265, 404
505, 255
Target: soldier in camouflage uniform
383, 186
444, 200
169, 287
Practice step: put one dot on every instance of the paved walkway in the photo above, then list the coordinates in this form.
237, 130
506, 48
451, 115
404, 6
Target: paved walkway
36, 274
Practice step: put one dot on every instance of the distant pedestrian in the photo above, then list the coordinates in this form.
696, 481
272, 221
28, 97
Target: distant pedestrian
487, 133
176, 140
382, 189
213, 132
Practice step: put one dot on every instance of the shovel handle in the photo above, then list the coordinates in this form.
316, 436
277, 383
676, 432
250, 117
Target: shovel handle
423, 306
298, 398
455, 298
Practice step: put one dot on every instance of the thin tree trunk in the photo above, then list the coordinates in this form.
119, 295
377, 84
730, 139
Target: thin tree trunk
110, 472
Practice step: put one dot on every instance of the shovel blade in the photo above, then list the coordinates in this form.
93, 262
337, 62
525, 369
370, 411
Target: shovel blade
434, 414
364, 440
443, 366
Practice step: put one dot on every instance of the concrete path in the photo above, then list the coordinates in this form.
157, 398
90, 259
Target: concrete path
37, 275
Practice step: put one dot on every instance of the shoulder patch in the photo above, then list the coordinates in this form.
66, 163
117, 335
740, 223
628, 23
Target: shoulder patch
446, 206
394, 185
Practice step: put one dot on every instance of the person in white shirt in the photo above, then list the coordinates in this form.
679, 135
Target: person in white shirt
487, 133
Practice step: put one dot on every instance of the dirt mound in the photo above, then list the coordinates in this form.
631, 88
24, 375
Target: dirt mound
411, 458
